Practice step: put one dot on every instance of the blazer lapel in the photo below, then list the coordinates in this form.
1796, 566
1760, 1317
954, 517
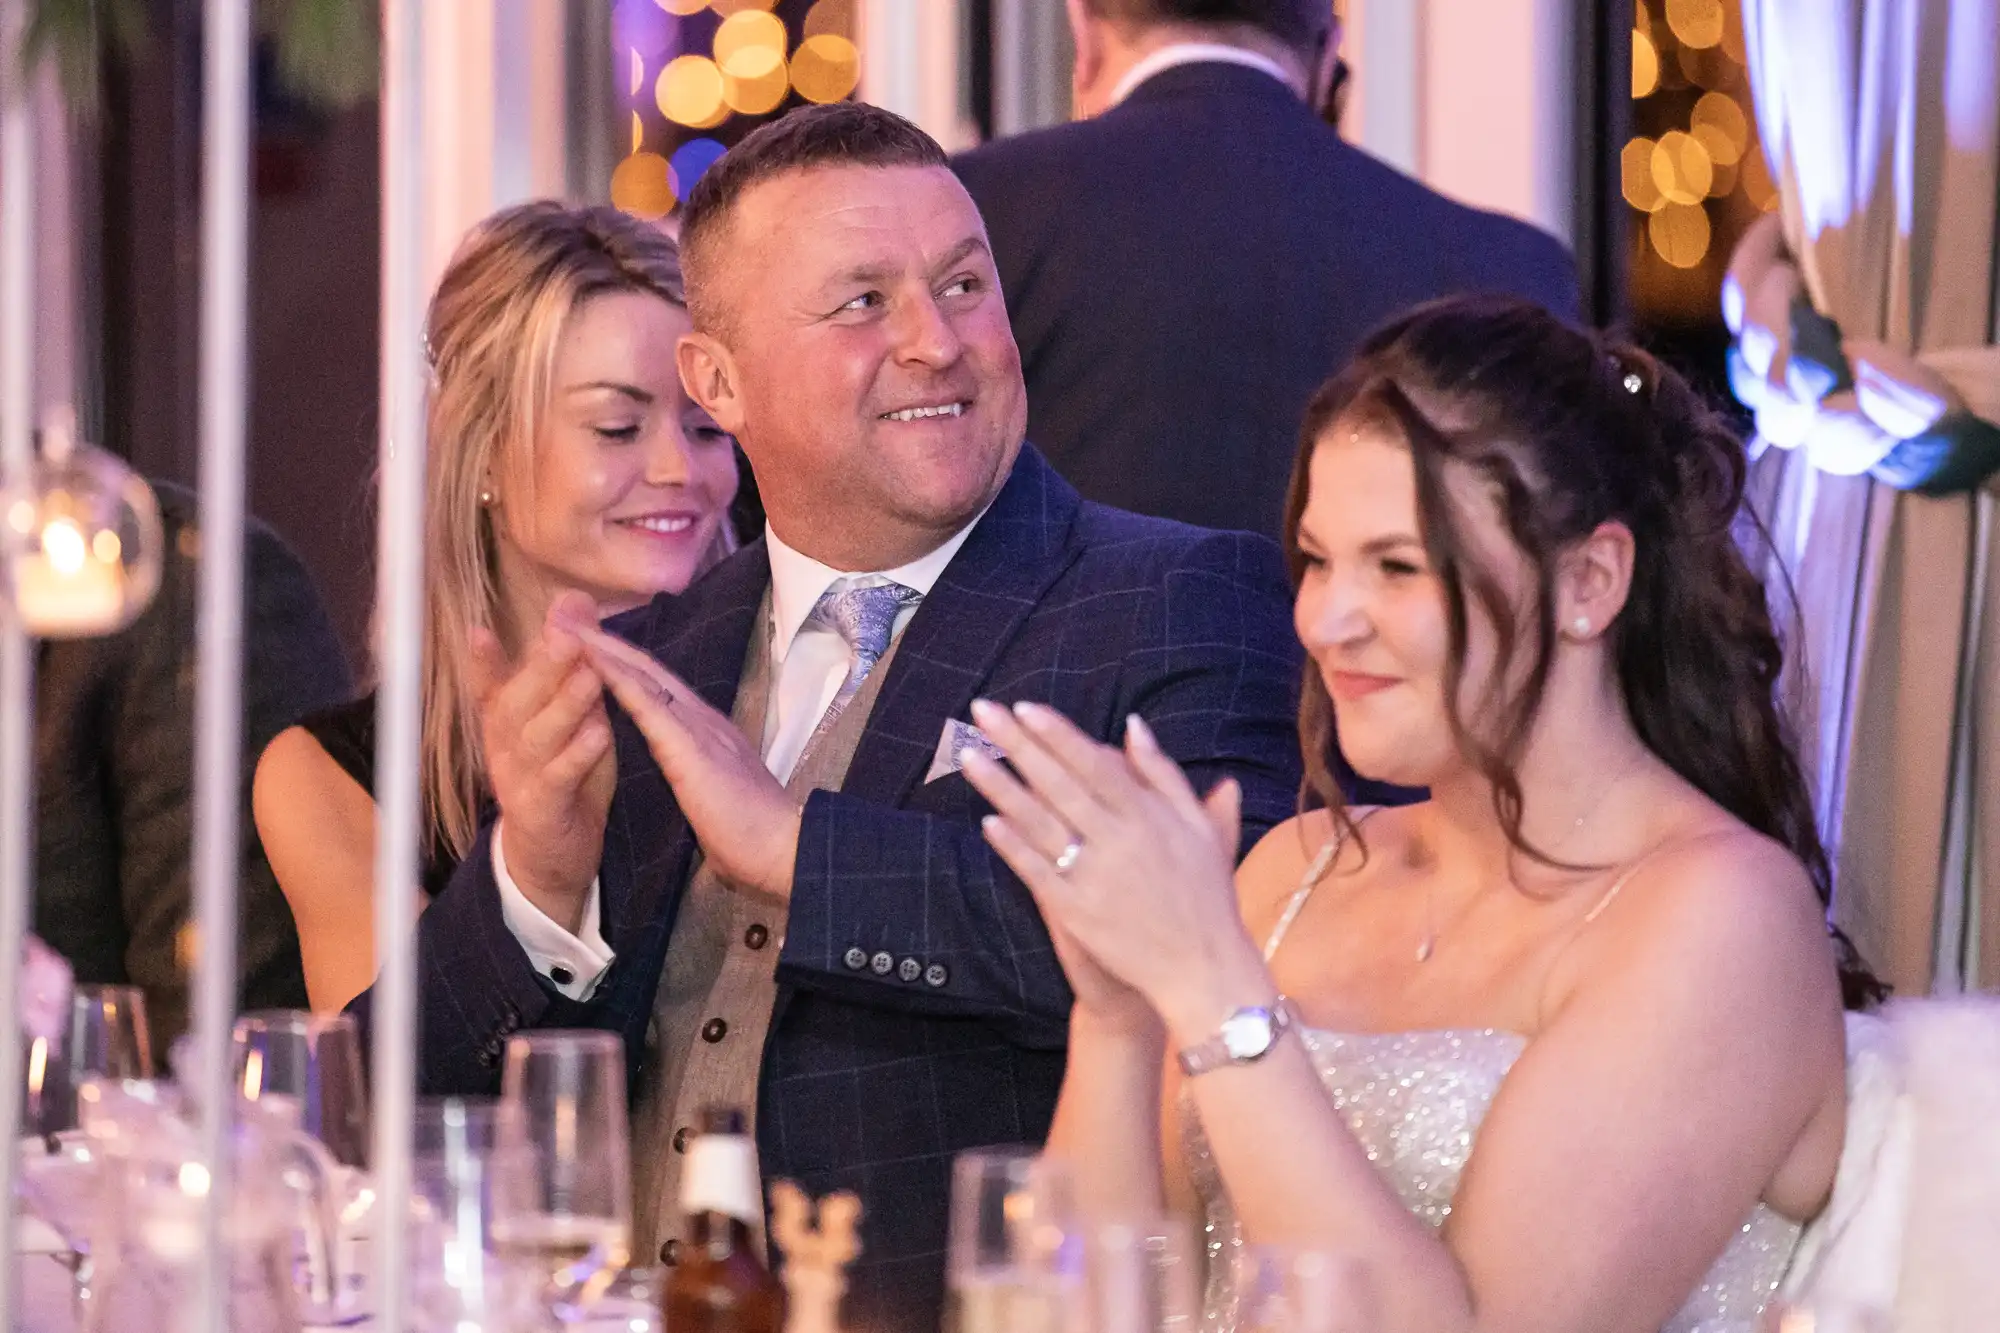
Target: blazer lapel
701, 637
950, 646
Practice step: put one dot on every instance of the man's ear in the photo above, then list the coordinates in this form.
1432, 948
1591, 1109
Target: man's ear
709, 374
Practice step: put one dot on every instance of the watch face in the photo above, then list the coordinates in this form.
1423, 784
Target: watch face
1246, 1034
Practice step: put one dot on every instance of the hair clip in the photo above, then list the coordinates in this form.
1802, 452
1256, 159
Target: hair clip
1633, 381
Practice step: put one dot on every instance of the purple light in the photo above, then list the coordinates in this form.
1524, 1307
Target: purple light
690, 160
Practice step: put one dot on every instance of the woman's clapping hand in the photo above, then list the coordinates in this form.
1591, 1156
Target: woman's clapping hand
1133, 871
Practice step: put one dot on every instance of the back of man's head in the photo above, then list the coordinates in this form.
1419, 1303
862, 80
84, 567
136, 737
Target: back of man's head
840, 134
1301, 25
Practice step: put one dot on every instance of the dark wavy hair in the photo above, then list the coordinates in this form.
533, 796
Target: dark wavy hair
1570, 430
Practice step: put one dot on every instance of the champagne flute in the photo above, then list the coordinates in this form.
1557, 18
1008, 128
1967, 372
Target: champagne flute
1284, 1290
1012, 1261
314, 1059
572, 1214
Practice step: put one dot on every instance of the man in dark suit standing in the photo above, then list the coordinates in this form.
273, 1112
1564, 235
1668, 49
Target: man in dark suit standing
1186, 265
763, 867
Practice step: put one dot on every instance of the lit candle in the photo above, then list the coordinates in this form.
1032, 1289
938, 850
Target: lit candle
66, 589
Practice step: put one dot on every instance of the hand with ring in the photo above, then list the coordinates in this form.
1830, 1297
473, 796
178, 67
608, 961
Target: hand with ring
1134, 873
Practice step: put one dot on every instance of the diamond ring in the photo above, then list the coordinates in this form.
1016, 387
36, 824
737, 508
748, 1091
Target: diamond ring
1070, 855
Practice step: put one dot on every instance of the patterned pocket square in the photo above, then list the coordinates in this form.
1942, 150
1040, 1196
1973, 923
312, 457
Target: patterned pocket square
958, 736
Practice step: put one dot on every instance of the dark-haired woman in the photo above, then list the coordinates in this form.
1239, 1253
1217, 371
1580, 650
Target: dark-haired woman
1561, 1048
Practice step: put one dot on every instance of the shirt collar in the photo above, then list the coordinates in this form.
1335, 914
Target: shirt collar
1193, 53
798, 581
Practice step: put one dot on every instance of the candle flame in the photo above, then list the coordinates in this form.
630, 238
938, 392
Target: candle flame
62, 542
38, 1065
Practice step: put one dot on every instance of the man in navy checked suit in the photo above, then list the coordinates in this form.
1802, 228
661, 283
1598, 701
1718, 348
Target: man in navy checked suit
850, 332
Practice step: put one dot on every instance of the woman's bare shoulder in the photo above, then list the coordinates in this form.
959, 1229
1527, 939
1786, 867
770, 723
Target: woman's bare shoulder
298, 781
1725, 903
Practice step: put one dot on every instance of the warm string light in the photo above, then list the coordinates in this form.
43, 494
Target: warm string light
1681, 175
750, 69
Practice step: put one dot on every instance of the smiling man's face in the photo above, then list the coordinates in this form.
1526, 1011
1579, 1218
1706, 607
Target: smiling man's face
863, 359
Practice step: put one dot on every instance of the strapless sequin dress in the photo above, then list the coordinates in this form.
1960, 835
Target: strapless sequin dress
1415, 1101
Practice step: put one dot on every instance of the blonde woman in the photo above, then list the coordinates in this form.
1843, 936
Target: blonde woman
564, 456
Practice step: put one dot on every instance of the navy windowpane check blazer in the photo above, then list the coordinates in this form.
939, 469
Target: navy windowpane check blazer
875, 1077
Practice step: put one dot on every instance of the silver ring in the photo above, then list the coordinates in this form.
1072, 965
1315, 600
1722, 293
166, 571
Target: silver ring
1070, 855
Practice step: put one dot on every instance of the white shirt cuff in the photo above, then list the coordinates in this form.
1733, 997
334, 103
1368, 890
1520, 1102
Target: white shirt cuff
574, 964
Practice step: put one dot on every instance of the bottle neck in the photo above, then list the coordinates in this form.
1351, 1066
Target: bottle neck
719, 1234
720, 1180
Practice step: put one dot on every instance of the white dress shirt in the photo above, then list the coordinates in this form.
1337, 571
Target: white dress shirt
1197, 53
809, 663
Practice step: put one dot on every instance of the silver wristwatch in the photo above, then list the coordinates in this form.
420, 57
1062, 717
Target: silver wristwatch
1245, 1037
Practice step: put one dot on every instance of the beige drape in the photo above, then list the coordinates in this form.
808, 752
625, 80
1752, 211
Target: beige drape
1881, 121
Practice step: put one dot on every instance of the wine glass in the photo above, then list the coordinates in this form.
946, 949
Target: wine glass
314, 1059
1285, 1290
1138, 1278
571, 1216
463, 1164
1012, 1263
104, 1036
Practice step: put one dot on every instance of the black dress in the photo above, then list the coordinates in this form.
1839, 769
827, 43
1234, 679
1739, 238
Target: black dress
347, 733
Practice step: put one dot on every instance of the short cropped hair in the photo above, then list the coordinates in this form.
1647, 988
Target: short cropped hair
838, 134
1300, 24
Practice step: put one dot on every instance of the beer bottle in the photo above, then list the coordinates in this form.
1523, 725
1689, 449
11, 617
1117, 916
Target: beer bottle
719, 1284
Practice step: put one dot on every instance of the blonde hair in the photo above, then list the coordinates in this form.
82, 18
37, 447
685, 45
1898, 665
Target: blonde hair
495, 323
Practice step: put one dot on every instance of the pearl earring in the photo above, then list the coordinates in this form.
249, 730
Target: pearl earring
1581, 624
486, 497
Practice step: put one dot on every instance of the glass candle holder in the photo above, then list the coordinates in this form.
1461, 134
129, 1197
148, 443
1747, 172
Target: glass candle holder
82, 540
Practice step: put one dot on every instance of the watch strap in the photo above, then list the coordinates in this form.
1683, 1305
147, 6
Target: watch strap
1214, 1053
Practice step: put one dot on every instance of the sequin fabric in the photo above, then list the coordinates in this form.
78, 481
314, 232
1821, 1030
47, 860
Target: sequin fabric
1415, 1101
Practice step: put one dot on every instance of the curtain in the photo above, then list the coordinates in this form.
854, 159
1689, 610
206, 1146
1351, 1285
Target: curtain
1881, 123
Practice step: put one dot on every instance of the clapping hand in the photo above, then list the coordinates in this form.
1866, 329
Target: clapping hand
1132, 870
745, 820
548, 755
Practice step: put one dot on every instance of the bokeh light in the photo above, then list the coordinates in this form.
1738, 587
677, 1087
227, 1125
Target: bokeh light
1697, 23
690, 92
682, 7
1680, 232
638, 79
1635, 176
755, 97
1758, 187
731, 8
691, 160
750, 44
826, 67
638, 132
641, 27
1681, 168
830, 18
1722, 127
1645, 64
640, 186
